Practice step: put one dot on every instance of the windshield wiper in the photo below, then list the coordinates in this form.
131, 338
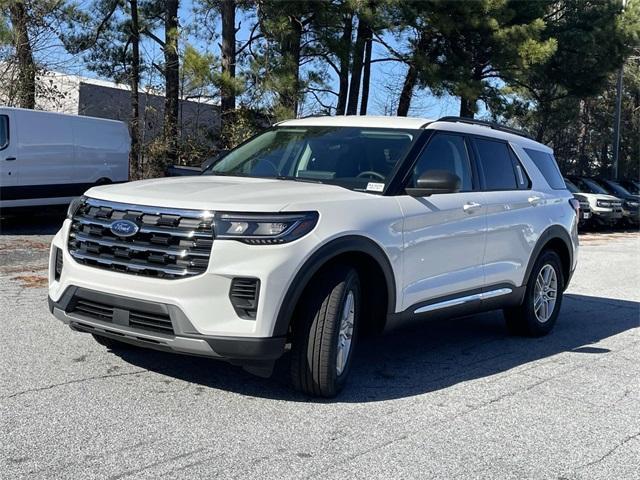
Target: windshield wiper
296, 179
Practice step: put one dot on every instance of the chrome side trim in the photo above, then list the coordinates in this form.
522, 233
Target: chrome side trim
94, 202
462, 300
495, 293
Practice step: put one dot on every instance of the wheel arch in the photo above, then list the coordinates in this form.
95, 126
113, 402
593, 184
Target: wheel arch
357, 250
558, 239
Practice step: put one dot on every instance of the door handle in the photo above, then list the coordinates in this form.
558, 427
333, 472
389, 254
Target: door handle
534, 200
10, 159
470, 206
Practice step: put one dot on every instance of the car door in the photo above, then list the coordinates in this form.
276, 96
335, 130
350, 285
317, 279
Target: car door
8, 164
511, 212
443, 234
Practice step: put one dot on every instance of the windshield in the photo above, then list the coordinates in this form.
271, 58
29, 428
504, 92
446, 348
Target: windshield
571, 187
615, 189
352, 157
632, 187
589, 186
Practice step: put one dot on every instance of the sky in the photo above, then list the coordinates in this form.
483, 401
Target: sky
386, 77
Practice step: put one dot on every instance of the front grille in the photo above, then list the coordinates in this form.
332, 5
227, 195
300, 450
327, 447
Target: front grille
169, 243
95, 310
150, 321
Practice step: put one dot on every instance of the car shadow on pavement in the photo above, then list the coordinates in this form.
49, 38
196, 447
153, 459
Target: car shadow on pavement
423, 358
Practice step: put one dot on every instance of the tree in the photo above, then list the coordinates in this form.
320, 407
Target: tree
26, 65
109, 37
28, 28
486, 41
363, 36
172, 80
135, 159
284, 24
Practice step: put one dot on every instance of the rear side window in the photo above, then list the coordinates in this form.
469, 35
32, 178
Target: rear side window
548, 167
498, 166
4, 131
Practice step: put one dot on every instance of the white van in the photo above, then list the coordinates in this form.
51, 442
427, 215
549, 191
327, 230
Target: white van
50, 158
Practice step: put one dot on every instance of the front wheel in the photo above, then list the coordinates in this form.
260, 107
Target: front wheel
542, 300
325, 333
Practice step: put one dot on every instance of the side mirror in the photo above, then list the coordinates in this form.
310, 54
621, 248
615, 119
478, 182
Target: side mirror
435, 181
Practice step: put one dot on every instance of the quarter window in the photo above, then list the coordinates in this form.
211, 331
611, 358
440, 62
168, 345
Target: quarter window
548, 167
449, 153
498, 166
4, 131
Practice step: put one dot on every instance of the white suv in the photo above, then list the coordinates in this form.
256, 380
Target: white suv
314, 231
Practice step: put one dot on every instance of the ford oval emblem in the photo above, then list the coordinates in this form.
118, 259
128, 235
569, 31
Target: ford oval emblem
124, 228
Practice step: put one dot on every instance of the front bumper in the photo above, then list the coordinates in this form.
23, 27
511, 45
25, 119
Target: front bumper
607, 215
632, 216
204, 299
183, 339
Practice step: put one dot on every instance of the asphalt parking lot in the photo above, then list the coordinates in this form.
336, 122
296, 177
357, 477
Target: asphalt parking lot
451, 399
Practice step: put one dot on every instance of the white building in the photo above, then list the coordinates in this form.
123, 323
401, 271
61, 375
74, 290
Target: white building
58, 92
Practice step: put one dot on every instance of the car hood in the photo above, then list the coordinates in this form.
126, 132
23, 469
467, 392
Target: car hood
208, 192
597, 196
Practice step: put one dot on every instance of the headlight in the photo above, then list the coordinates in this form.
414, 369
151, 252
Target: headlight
632, 204
264, 228
603, 203
75, 204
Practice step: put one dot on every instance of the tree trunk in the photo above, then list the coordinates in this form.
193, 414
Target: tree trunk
172, 80
356, 67
135, 165
26, 65
345, 61
583, 160
228, 51
366, 75
407, 91
467, 107
290, 50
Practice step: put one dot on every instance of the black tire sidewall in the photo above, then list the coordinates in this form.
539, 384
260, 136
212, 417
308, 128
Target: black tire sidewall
315, 335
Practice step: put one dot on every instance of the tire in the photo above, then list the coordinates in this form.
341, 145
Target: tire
528, 319
318, 366
112, 344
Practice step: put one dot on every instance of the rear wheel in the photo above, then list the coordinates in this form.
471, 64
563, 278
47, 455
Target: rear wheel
325, 333
542, 301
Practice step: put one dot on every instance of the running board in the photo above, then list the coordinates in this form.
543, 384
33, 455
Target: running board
462, 300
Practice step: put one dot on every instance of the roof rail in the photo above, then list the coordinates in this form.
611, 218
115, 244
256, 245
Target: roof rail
484, 123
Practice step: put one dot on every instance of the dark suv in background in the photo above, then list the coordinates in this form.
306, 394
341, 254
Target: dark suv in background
631, 213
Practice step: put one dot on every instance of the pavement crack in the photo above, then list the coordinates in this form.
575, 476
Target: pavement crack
611, 451
79, 380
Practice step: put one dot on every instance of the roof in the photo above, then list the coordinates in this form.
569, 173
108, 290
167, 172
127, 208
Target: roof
412, 123
372, 121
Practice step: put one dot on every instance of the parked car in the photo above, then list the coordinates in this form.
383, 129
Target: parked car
630, 201
585, 209
318, 230
51, 158
606, 209
185, 171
